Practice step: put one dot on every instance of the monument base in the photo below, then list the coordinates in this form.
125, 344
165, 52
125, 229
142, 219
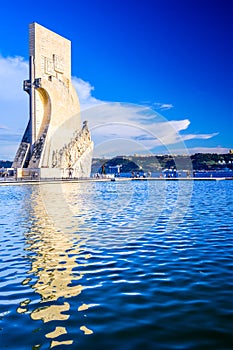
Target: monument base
81, 169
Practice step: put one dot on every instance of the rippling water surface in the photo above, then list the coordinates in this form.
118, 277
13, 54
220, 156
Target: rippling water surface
117, 265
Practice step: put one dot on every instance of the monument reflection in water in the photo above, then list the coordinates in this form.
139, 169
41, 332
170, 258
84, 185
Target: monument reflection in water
94, 265
54, 248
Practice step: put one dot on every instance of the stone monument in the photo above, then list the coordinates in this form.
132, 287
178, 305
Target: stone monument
55, 144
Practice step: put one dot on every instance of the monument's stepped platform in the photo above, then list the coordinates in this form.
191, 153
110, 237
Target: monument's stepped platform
37, 150
21, 155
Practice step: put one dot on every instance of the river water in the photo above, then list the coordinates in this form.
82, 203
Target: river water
124, 265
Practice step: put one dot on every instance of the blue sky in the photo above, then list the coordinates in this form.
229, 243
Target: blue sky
174, 57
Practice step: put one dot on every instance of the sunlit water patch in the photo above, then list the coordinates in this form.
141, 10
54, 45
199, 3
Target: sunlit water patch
117, 265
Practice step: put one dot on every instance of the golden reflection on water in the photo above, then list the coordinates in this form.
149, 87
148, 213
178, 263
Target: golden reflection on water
58, 331
54, 250
86, 330
51, 313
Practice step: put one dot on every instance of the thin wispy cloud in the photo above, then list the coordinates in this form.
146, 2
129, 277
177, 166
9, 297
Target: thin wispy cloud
199, 136
162, 106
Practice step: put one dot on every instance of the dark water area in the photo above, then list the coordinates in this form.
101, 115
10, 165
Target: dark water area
125, 265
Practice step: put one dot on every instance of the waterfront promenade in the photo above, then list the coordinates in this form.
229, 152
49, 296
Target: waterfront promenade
12, 181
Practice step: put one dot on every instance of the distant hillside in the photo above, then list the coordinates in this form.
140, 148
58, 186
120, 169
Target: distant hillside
5, 164
199, 161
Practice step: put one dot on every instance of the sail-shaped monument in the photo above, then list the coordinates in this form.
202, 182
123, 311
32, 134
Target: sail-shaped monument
55, 143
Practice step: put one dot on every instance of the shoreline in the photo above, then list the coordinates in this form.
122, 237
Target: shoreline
120, 179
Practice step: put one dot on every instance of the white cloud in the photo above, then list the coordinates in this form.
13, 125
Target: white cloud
139, 127
117, 128
13, 100
218, 150
84, 90
13, 70
14, 104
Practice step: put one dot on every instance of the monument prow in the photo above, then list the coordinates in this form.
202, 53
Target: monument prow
55, 144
